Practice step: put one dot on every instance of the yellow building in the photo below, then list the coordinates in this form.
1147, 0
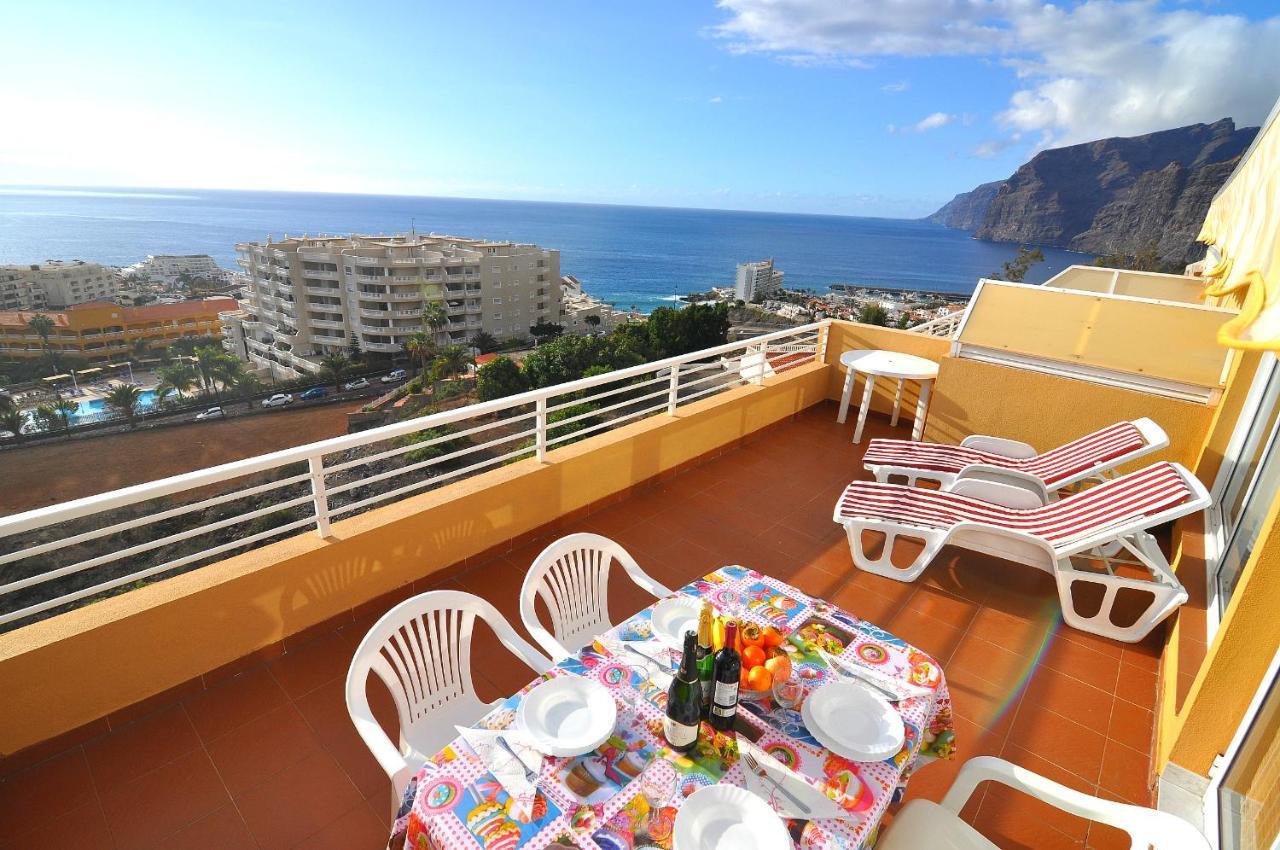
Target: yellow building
101, 330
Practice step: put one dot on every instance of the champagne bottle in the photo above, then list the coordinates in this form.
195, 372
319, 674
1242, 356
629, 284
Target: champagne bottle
728, 668
706, 657
684, 707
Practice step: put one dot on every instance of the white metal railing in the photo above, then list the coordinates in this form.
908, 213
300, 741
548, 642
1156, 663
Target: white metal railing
143, 531
943, 326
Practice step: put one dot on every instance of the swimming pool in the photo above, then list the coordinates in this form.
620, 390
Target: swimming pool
93, 408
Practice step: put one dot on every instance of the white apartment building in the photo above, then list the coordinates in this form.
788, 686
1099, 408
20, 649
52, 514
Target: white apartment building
577, 308
311, 296
55, 284
756, 280
167, 268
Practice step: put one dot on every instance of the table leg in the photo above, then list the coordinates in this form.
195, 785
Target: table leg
864, 408
897, 402
845, 396
922, 406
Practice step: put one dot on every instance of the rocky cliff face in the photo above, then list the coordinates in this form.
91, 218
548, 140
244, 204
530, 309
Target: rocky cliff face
967, 210
1114, 195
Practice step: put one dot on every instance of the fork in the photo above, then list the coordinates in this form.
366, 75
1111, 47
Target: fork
760, 771
529, 775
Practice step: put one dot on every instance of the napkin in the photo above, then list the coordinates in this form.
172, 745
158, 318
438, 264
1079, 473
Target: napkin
904, 690
504, 768
654, 649
819, 804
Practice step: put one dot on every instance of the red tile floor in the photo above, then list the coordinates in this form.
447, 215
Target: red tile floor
266, 756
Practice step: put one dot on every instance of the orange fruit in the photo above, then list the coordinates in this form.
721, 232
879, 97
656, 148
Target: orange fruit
779, 667
771, 637
759, 679
742, 678
749, 635
752, 656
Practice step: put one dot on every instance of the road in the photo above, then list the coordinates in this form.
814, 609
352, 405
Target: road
57, 472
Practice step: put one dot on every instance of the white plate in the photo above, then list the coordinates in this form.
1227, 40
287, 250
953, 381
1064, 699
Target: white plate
673, 617
567, 716
726, 817
852, 721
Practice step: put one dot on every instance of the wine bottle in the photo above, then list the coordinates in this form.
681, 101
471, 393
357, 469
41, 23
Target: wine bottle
728, 667
680, 726
706, 657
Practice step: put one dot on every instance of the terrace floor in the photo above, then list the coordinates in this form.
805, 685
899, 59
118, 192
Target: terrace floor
261, 753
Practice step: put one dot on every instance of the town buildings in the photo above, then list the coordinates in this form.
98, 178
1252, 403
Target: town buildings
169, 268
55, 284
581, 313
757, 281
102, 330
311, 296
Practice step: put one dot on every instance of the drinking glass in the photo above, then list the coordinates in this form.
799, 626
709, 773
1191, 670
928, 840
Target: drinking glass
786, 696
657, 785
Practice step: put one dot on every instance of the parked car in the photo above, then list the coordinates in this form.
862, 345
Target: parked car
394, 375
211, 413
278, 400
314, 392
357, 384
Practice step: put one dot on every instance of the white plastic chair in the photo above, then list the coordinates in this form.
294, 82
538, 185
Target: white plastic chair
421, 650
572, 578
925, 825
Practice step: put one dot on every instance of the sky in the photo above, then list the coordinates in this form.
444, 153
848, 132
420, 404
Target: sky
859, 107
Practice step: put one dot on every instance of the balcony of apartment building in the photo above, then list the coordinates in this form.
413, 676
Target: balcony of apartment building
212, 696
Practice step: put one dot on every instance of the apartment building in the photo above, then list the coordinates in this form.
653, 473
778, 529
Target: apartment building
168, 268
311, 296
581, 313
55, 284
756, 280
102, 330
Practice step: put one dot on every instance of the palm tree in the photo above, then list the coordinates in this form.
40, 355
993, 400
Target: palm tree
421, 348
43, 325
140, 348
58, 414
229, 371
178, 378
124, 398
206, 365
333, 368
485, 342
12, 421
434, 317
249, 386
452, 360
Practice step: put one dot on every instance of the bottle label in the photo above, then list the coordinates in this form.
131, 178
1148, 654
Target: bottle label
724, 711
679, 734
726, 694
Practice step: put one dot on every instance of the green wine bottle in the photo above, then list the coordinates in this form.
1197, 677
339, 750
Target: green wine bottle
684, 702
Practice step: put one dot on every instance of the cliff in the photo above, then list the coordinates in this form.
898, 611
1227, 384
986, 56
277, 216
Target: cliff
1116, 195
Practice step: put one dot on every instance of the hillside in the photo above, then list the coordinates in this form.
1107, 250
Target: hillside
1117, 195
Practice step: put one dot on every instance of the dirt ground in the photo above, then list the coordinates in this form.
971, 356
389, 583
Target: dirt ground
43, 475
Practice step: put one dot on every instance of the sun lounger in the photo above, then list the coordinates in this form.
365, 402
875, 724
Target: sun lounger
1076, 538
1094, 456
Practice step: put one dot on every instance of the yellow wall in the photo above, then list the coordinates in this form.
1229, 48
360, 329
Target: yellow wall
844, 336
60, 673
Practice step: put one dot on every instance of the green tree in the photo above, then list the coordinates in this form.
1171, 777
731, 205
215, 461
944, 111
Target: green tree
499, 378
333, 368
452, 360
12, 421
433, 316
1016, 269
421, 348
178, 378
139, 348
873, 314
249, 386
124, 399
904, 320
485, 342
229, 371
543, 331
1146, 260
673, 331
593, 321
208, 360
43, 326
56, 415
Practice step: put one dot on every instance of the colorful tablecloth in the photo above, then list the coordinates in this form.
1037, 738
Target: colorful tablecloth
594, 801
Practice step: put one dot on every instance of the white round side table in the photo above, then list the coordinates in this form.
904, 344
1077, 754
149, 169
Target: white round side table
886, 364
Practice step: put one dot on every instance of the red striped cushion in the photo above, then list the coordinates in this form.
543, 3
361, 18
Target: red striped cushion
1112, 503
1053, 466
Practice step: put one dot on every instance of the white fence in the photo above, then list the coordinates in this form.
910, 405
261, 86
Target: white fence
57, 555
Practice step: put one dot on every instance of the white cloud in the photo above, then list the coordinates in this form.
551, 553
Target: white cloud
895, 88
716, 99
933, 121
1094, 69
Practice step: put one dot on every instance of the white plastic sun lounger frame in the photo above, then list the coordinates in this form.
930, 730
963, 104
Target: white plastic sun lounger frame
1103, 545
1153, 437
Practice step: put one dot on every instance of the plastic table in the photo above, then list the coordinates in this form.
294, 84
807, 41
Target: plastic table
901, 367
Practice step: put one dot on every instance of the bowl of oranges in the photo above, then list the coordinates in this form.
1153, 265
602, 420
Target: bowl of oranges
764, 658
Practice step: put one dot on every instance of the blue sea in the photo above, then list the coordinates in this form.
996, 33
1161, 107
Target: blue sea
642, 256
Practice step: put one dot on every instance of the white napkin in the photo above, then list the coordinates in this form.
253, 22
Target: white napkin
903, 690
505, 769
819, 804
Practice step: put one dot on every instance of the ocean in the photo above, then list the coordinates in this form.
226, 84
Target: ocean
642, 256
